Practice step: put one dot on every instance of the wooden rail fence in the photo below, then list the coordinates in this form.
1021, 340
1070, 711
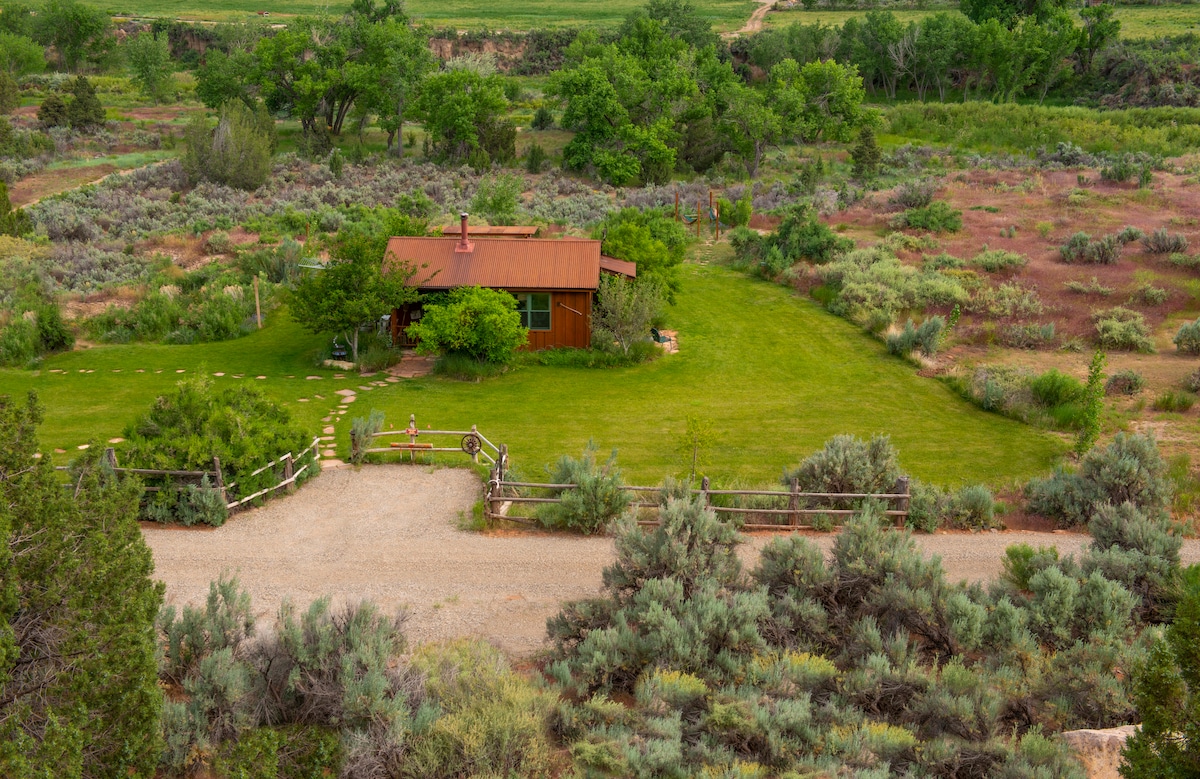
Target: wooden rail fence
501, 495
216, 478
471, 442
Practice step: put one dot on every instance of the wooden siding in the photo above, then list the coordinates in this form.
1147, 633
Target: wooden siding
567, 328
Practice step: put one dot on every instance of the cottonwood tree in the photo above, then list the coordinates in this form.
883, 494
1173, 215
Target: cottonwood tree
78, 689
150, 63
78, 33
20, 55
752, 127
625, 309
463, 110
352, 291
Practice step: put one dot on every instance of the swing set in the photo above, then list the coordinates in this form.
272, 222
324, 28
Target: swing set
713, 216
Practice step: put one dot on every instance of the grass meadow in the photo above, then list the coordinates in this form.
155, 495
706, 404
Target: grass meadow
1138, 21
462, 14
774, 374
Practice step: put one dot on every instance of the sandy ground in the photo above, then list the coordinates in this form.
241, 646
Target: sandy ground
388, 533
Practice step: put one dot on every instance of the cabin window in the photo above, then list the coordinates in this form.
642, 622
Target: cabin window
535, 310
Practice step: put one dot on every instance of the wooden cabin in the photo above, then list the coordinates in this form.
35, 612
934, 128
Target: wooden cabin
553, 280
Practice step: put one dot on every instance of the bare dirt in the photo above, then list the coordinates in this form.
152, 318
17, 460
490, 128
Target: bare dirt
389, 533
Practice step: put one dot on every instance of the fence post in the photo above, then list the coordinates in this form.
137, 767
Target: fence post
289, 471
475, 432
110, 456
704, 490
492, 498
220, 480
794, 502
412, 437
901, 488
501, 462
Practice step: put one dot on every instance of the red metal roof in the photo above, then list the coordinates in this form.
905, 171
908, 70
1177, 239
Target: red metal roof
500, 263
494, 231
621, 267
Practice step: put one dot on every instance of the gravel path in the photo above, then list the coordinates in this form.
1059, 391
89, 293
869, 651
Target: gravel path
388, 533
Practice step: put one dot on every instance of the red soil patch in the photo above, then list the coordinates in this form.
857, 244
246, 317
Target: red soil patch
50, 182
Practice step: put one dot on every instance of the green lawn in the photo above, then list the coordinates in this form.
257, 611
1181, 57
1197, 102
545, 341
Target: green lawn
775, 374
464, 14
1136, 21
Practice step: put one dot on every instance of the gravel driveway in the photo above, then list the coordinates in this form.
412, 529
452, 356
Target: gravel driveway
388, 533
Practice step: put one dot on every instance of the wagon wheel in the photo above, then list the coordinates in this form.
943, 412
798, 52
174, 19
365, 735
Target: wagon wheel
470, 444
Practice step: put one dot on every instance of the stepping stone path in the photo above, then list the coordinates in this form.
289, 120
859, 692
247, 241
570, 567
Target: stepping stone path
260, 377
345, 392
328, 431
140, 370
219, 374
181, 370
81, 447
60, 451
412, 366
313, 378
301, 400
116, 440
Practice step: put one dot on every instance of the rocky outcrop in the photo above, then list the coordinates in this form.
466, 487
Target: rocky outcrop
1100, 750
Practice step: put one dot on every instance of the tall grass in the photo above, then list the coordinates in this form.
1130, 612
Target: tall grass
990, 127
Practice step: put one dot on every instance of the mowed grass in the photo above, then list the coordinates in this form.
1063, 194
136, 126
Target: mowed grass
1136, 21
462, 14
774, 374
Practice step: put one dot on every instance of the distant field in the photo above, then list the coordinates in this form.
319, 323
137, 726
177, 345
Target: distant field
463, 14
1136, 21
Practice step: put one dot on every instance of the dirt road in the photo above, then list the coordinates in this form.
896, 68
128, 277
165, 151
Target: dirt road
388, 533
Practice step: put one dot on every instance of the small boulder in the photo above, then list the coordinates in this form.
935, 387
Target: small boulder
1100, 750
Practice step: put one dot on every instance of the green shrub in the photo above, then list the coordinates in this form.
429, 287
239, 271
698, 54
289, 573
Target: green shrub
1188, 261
482, 324
1139, 552
1122, 329
1162, 242
937, 217
1081, 248
802, 236
736, 214
1129, 234
595, 502
942, 261
84, 111
1130, 469
914, 194
543, 119
999, 260
848, 464
362, 432
535, 158
186, 428
1175, 401
1125, 382
1031, 336
1093, 287
926, 338
1053, 388
1187, 338
1149, 295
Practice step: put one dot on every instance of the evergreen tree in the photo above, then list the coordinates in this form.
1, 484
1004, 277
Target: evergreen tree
865, 154
78, 691
84, 112
53, 112
1167, 691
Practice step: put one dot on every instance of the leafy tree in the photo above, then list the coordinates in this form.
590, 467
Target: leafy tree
497, 198
352, 291
84, 111
150, 61
939, 48
78, 690
221, 78
655, 243
1099, 29
873, 44
696, 442
751, 126
482, 324
681, 20
464, 114
1047, 47
237, 152
20, 55
17, 19
80, 34
1167, 692
1009, 12
53, 112
597, 499
1093, 406
625, 310
819, 101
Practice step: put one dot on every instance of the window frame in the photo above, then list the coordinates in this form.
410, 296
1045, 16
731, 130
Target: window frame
526, 310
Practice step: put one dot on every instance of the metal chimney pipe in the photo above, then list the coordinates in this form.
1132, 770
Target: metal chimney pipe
462, 235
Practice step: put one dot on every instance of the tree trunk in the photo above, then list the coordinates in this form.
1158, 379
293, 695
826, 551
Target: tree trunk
399, 129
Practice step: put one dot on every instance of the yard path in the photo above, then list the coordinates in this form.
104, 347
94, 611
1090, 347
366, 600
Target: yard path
388, 533
755, 22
